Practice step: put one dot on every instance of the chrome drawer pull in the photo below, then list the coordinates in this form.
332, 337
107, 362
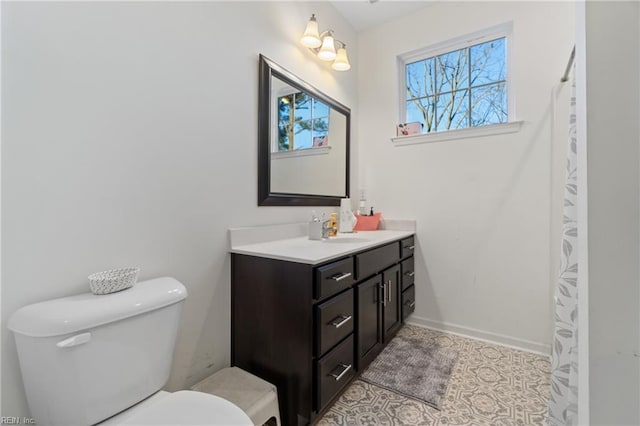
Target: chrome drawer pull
344, 371
389, 290
412, 304
340, 321
410, 247
340, 276
410, 274
384, 294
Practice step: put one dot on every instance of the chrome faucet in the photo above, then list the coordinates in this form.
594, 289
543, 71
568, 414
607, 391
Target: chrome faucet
326, 229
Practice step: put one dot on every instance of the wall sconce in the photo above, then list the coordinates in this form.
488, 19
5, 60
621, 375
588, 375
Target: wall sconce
324, 45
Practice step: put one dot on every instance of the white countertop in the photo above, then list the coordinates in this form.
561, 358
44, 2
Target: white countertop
303, 250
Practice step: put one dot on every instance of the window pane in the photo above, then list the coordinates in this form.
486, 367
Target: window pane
488, 64
320, 126
420, 79
284, 111
452, 71
302, 130
461, 88
489, 105
283, 139
320, 109
302, 106
453, 110
422, 110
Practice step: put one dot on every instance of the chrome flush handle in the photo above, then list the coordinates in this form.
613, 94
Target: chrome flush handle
78, 339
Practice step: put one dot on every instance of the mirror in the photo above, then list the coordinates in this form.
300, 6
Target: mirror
303, 142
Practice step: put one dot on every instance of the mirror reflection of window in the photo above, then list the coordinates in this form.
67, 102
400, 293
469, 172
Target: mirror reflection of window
303, 122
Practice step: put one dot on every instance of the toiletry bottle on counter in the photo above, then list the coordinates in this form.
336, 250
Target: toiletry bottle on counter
363, 200
333, 224
315, 227
347, 218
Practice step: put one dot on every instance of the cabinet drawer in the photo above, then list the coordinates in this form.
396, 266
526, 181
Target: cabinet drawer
333, 278
408, 302
372, 261
407, 247
408, 273
334, 371
334, 321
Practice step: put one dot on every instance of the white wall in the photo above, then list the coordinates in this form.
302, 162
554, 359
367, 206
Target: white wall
613, 139
487, 243
129, 138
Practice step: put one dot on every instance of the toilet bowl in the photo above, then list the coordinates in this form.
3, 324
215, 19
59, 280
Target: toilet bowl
103, 359
181, 408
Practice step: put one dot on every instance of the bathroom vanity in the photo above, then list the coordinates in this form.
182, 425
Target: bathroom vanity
309, 316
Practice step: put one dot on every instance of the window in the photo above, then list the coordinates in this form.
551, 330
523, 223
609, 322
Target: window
459, 84
303, 122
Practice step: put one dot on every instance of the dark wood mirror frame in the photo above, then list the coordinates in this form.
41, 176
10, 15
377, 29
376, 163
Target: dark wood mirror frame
267, 69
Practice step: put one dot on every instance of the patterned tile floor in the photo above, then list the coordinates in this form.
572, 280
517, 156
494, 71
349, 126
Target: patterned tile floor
490, 385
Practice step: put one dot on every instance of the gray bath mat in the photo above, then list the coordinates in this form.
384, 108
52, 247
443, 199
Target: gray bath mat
413, 367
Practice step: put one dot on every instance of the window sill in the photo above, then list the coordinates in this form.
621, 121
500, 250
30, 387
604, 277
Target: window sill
474, 132
321, 150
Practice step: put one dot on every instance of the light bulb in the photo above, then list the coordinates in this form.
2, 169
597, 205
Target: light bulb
342, 62
311, 37
327, 51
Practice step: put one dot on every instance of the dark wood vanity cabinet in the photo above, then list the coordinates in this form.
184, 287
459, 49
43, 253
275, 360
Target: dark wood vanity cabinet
310, 329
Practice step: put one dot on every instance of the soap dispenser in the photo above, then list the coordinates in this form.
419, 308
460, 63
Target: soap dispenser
315, 227
347, 218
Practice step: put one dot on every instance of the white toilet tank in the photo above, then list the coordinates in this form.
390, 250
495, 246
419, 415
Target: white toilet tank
85, 358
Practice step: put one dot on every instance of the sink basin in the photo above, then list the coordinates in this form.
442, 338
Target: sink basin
345, 240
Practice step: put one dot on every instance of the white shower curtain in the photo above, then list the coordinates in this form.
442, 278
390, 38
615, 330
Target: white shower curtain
563, 404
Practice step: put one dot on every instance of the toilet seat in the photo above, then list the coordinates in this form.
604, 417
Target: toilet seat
183, 408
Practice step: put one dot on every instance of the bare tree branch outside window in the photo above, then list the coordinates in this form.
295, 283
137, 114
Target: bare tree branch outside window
459, 89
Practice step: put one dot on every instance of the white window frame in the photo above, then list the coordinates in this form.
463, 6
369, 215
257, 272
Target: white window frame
503, 30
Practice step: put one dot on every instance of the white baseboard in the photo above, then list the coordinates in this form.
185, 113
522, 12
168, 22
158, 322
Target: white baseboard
485, 336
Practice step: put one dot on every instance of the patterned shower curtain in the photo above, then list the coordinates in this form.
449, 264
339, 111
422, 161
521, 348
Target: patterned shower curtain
563, 404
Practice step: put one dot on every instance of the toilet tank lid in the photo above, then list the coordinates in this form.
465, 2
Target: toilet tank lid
84, 311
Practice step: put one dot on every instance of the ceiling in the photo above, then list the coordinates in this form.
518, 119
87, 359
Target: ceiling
363, 14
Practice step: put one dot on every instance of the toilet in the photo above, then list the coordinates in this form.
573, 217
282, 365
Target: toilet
90, 359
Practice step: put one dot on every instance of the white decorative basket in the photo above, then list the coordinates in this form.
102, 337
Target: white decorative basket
113, 280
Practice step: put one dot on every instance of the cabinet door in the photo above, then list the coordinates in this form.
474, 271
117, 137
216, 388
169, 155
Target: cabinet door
391, 301
369, 332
